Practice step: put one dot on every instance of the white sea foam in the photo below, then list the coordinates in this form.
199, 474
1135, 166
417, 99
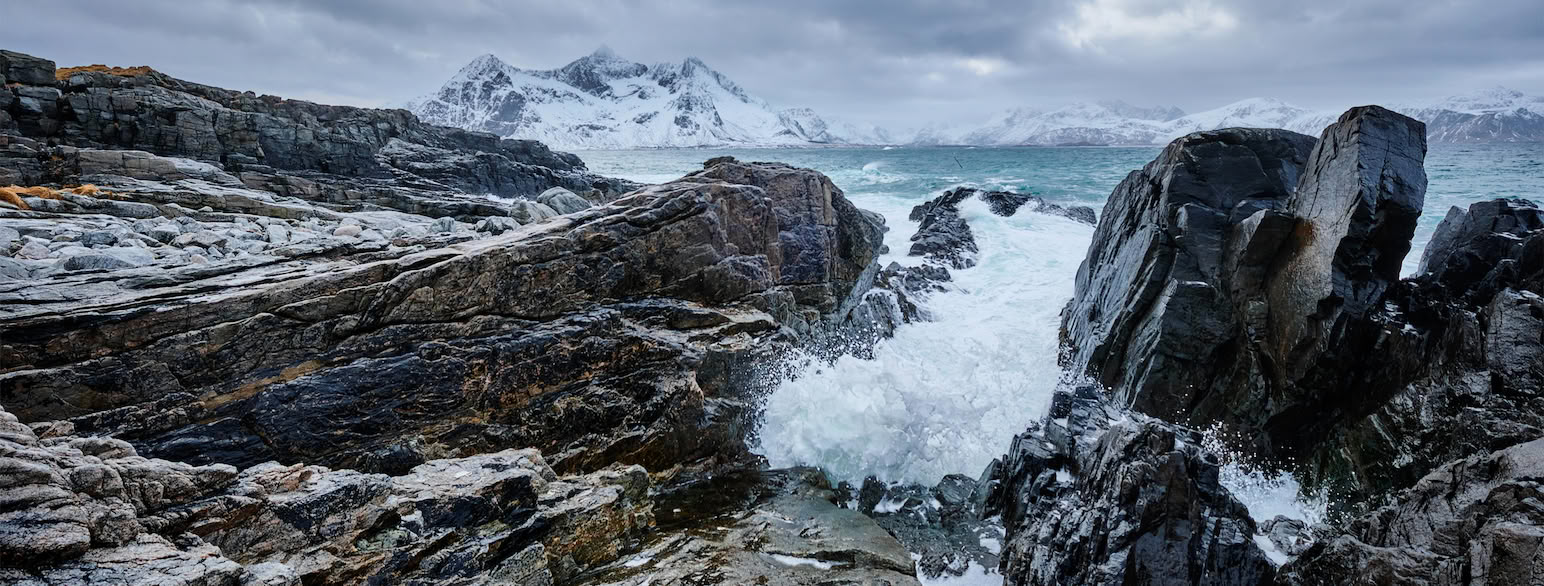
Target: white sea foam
940, 397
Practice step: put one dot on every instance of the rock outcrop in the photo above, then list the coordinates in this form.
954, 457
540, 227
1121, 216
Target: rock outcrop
611, 334
266, 138
1251, 279
1478, 360
1093, 494
90, 510
1241, 277
1473, 521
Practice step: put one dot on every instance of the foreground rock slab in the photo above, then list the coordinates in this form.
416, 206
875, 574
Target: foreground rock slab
86, 510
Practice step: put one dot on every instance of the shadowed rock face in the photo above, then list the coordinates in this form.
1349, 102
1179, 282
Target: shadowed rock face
1095, 495
1179, 245
1356, 205
611, 334
1240, 277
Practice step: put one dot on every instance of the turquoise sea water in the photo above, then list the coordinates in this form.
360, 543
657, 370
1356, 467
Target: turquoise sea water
946, 396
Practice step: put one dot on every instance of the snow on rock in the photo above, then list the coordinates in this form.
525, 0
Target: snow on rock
605, 101
1491, 115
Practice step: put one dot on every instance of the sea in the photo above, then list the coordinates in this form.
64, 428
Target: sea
946, 396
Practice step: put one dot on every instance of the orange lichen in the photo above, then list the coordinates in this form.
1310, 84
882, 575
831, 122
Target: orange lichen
12, 194
10, 197
64, 73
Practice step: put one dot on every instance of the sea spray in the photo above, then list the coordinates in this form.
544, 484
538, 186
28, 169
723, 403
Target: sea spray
944, 396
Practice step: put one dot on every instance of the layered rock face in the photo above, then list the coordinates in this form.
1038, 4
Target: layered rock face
611, 334
284, 343
388, 157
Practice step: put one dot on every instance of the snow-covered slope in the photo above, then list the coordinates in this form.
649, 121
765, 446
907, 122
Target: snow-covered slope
604, 101
1495, 115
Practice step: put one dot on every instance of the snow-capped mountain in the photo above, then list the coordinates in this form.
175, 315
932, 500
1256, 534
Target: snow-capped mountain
1495, 115
604, 101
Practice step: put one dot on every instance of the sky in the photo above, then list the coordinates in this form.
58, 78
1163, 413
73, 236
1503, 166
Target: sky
900, 63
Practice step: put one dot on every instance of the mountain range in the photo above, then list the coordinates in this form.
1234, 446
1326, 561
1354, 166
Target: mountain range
602, 100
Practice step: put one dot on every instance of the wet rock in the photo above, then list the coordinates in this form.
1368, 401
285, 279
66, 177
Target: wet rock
1094, 495
789, 533
938, 524
1227, 282
942, 235
1469, 244
1476, 520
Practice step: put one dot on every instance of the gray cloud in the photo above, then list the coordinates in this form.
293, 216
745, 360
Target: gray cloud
900, 62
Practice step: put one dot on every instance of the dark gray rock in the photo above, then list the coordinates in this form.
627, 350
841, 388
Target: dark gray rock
1469, 244
1094, 495
1244, 276
1357, 203
1479, 520
26, 69
942, 235
1170, 288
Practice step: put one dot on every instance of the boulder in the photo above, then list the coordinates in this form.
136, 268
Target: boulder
33, 250
496, 225
562, 200
443, 225
1357, 204
530, 212
1156, 315
1242, 278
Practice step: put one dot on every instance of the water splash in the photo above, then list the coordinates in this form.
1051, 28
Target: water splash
941, 397
1267, 492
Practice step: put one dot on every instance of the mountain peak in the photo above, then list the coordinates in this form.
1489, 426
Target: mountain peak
604, 52
481, 66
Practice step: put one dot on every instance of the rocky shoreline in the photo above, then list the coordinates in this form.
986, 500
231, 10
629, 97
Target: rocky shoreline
249, 340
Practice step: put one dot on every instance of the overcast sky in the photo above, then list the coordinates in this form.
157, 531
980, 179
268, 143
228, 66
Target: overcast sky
894, 62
